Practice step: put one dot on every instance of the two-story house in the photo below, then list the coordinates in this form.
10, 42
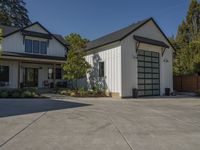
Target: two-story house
31, 57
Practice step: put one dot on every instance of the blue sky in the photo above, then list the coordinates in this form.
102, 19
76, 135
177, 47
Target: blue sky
95, 18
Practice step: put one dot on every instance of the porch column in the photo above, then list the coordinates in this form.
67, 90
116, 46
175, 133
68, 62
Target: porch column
19, 74
54, 75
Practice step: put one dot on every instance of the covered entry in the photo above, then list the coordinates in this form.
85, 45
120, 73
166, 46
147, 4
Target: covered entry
148, 73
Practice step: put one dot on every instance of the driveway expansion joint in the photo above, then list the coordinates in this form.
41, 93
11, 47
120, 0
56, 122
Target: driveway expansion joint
121, 134
26, 127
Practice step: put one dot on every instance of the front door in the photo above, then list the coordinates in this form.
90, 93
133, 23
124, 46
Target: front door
31, 77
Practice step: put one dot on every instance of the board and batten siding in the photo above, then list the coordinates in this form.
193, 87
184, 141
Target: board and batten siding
14, 43
111, 56
129, 59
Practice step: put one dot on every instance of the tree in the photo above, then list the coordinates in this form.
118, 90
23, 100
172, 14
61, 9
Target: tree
14, 13
76, 42
76, 67
187, 42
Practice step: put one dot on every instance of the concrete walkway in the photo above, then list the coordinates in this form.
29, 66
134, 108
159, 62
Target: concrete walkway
100, 124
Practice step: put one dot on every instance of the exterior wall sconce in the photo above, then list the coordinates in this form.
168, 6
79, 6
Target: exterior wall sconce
166, 60
135, 57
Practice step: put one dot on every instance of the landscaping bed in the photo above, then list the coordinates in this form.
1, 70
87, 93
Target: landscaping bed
81, 93
19, 93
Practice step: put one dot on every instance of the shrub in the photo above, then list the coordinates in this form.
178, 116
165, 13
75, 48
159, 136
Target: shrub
26, 93
72, 93
19, 93
198, 92
63, 92
4, 94
81, 91
16, 94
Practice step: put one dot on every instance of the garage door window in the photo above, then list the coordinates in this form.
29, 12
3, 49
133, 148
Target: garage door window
148, 73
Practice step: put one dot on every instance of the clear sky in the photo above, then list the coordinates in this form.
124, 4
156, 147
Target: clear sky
95, 18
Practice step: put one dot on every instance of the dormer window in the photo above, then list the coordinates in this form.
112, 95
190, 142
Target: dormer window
28, 46
43, 47
36, 47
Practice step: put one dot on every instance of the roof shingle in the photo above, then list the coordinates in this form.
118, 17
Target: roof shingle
10, 29
115, 36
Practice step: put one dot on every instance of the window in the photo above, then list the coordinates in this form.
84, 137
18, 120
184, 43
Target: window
101, 69
50, 73
43, 47
28, 46
4, 74
58, 73
36, 46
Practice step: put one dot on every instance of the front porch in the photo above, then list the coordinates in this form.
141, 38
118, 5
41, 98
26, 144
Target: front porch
31, 72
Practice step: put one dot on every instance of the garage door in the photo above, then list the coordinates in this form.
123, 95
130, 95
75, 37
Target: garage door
148, 73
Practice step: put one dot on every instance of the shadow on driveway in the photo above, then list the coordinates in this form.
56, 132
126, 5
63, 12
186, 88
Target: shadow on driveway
14, 107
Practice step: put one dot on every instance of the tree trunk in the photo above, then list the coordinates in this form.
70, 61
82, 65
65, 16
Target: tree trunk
76, 84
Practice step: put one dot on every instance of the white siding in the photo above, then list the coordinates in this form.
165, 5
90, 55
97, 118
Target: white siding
111, 55
14, 43
129, 60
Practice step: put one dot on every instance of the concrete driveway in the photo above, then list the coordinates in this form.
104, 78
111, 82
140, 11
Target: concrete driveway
100, 124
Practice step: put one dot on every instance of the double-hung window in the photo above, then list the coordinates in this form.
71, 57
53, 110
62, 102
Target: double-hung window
28, 46
36, 46
43, 47
101, 69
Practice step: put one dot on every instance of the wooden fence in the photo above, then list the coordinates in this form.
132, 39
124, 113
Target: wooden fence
187, 83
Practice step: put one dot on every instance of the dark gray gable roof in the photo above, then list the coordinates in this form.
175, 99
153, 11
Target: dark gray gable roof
115, 36
60, 37
9, 30
121, 34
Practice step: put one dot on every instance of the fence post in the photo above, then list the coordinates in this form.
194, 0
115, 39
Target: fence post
181, 83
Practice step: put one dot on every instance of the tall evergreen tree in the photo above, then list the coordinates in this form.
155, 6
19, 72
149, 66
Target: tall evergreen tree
14, 13
187, 42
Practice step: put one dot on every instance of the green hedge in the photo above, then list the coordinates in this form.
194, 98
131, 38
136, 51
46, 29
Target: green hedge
19, 93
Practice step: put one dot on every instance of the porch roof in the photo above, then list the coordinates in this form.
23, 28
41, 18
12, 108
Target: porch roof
150, 41
32, 57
